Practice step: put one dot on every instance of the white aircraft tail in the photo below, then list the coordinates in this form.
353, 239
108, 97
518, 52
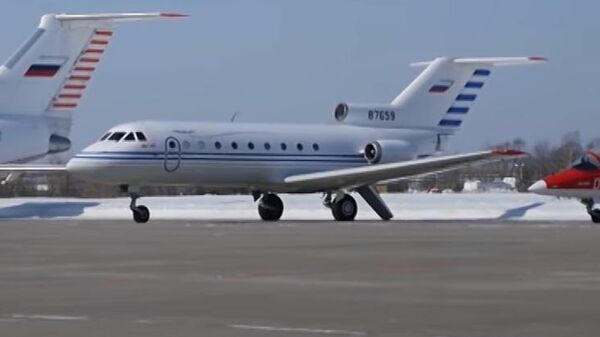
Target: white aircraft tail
50, 71
442, 95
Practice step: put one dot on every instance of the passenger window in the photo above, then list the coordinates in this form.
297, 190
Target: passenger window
316, 147
218, 145
140, 136
267, 146
234, 145
283, 146
251, 146
130, 137
105, 136
299, 147
117, 136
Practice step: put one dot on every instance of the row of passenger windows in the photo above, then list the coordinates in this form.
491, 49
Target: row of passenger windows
128, 137
250, 145
267, 146
139, 136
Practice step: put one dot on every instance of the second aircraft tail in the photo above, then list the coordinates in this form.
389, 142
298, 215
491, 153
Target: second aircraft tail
439, 98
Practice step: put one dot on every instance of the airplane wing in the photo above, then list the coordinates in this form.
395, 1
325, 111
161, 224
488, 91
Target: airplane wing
367, 175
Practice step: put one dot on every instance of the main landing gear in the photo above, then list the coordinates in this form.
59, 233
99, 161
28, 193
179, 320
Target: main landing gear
343, 206
270, 206
593, 212
141, 213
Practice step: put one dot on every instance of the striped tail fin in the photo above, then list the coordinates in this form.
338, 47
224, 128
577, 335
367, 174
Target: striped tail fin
50, 71
443, 94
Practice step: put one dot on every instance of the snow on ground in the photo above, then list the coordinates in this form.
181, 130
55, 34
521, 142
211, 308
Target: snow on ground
411, 206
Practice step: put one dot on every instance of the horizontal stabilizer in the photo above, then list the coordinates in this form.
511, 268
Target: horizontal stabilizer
117, 17
490, 61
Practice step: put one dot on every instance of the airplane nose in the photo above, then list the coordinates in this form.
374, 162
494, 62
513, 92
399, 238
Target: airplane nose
539, 186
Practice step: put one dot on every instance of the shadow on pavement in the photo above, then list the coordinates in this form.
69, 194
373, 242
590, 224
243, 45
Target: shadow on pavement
45, 210
519, 212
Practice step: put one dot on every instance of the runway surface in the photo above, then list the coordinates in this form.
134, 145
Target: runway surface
299, 278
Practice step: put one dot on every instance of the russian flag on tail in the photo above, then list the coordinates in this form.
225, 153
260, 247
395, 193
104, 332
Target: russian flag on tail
441, 86
42, 70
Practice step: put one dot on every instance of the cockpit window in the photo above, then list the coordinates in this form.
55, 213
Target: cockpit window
589, 162
130, 137
117, 136
140, 136
105, 136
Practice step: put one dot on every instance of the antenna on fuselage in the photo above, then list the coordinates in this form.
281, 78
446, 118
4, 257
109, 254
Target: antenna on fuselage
235, 114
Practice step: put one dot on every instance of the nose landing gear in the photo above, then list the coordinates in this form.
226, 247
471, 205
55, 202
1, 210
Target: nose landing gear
141, 213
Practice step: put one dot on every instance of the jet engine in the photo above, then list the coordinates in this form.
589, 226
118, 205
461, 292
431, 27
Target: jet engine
367, 115
385, 151
58, 144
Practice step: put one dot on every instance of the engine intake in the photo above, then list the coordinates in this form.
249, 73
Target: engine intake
385, 151
59, 144
372, 153
367, 115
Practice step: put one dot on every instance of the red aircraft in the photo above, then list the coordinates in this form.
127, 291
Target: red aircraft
581, 181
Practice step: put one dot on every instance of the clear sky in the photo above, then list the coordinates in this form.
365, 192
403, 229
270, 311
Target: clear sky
292, 61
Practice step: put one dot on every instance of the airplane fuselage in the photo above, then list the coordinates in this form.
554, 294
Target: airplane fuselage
254, 156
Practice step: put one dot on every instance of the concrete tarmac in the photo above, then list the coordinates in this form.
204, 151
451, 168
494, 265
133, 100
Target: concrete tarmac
299, 278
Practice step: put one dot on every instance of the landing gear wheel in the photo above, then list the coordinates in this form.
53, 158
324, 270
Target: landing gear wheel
595, 215
344, 209
270, 207
141, 214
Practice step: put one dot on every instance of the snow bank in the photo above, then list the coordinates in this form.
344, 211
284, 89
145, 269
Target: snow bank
462, 206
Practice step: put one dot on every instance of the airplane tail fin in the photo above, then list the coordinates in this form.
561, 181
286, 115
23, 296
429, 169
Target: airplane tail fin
442, 95
50, 71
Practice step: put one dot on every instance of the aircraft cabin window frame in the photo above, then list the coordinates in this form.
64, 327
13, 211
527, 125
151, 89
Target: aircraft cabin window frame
267, 146
130, 137
283, 147
117, 136
251, 145
141, 136
300, 147
315, 147
234, 145
218, 145
105, 137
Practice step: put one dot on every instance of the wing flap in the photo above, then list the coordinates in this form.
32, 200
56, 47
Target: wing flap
366, 175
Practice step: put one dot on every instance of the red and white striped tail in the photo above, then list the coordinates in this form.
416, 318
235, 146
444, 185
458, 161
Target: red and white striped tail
71, 91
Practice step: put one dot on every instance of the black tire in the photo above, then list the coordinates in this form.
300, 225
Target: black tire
141, 214
270, 207
344, 209
595, 215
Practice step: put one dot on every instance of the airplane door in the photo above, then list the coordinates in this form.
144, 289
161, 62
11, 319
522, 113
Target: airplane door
172, 154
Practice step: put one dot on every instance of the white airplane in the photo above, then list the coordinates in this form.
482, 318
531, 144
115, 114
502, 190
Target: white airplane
364, 145
44, 80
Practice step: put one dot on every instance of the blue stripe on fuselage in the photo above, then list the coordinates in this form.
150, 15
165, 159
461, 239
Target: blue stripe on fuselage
225, 159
